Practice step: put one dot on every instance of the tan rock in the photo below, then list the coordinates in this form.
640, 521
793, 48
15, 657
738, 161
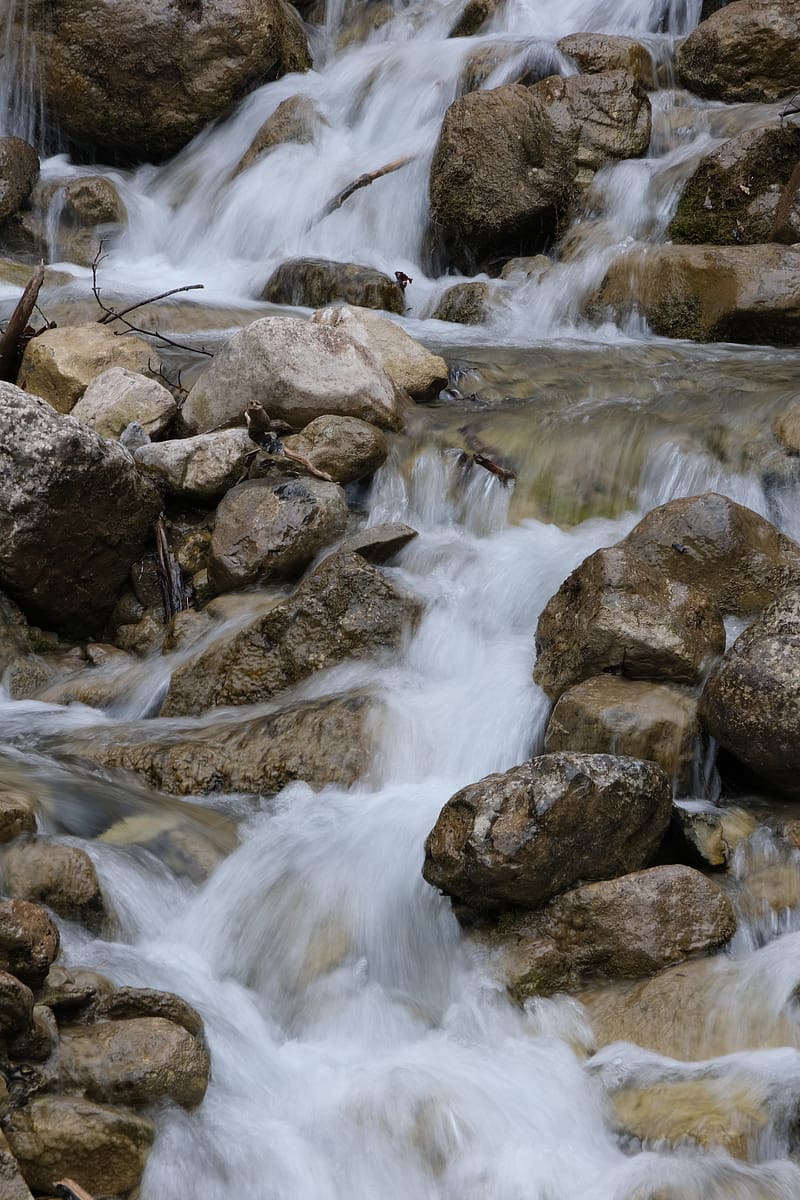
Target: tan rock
126, 1002
17, 813
786, 428
73, 994
312, 282
29, 941
16, 1005
596, 52
745, 51
296, 119
207, 465
62, 877
61, 363
118, 396
466, 303
345, 448
12, 1185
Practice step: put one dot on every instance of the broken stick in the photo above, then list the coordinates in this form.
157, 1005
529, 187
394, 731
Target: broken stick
18, 323
364, 181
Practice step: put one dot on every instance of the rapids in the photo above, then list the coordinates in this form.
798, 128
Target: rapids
362, 1048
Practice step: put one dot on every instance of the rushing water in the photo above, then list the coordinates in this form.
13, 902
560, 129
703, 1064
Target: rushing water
362, 1048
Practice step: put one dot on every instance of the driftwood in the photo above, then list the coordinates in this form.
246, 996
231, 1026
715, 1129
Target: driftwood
485, 456
68, 1189
364, 181
10, 341
173, 590
504, 474
792, 108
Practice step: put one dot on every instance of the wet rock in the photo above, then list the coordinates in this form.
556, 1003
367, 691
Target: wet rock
73, 995
751, 701
711, 542
616, 613
526, 268
197, 467
474, 16
466, 303
612, 715
319, 741
617, 928
12, 1185
296, 119
709, 293
118, 396
598, 52
271, 528
379, 543
345, 448
786, 428
745, 51
54, 1137
705, 836
61, 363
147, 1002
14, 640
787, 215
94, 200
16, 1005
62, 877
305, 369
29, 940
313, 282
19, 169
136, 1061
190, 67
733, 195
188, 847
17, 814
74, 514
37, 1043
407, 363
519, 838
145, 635
345, 609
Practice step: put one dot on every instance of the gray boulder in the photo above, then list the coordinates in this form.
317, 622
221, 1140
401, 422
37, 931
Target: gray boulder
197, 467
519, 838
312, 282
118, 397
345, 448
746, 51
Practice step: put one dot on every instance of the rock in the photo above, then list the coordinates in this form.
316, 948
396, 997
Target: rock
17, 814
59, 364
711, 542
502, 176
745, 51
57, 1137
39, 1041
19, 169
705, 836
307, 370
146, 1002
74, 995
319, 741
313, 282
519, 838
526, 268
345, 609
29, 940
12, 1185
74, 514
136, 1061
617, 928
751, 701
188, 848
62, 877
786, 428
197, 467
345, 448
598, 52
407, 363
189, 67
787, 215
618, 613
466, 303
16, 1005
269, 529
709, 293
612, 715
94, 200
379, 543
474, 16
119, 396
294, 120
734, 193
14, 640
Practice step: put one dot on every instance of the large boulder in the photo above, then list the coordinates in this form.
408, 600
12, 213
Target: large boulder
118, 396
57, 1137
708, 293
734, 193
303, 370
74, 515
140, 82
19, 168
596, 52
29, 941
271, 528
346, 609
312, 282
409, 365
59, 364
345, 448
62, 877
751, 701
466, 303
612, 715
296, 119
616, 928
711, 542
745, 51
618, 613
136, 1061
319, 741
519, 838
198, 467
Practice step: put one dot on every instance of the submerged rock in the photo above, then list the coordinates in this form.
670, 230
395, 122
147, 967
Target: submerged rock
746, 51
119, 396
296, 119
519, 838
312, 282
466, 303
59, 364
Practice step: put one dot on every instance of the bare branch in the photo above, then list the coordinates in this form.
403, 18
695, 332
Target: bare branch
112, 315
18, 323
362, 182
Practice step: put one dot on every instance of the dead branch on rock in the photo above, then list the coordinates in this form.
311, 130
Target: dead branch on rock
174, 596
11, 340
486, 456
792, 108
364, 181
68, 1189
504, 474
110, 314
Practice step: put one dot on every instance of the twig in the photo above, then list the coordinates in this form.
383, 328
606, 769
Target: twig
170, 579
10, 341
792, 108
503, 473
112, 315
364, 181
